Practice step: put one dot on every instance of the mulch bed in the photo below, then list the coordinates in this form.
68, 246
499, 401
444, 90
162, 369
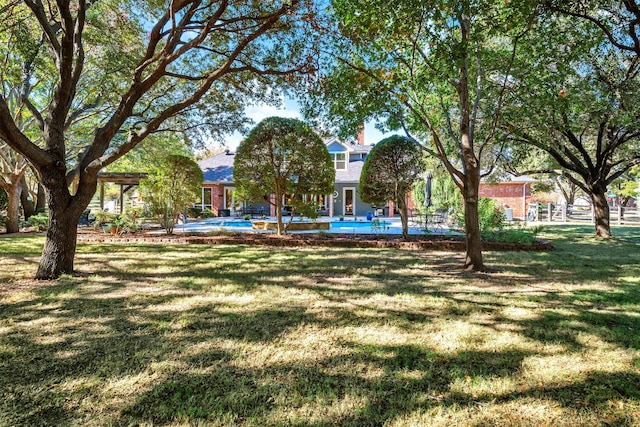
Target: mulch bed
434, 242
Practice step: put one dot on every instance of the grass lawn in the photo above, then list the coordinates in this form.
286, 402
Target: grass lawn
262, 336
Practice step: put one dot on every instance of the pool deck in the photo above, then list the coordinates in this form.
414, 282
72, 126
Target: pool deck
363, 226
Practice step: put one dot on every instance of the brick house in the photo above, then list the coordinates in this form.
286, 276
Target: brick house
348, 159
512, 192
218, 188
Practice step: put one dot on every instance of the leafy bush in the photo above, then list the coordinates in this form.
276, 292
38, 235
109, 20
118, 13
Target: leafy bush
490, 216
103, 217
194, 211
207, 213
130, 219
39, 221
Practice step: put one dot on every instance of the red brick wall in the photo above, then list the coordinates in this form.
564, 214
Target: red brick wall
508, 195
217, 197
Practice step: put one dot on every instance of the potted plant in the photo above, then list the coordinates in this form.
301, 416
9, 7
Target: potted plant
117, 226
341, 217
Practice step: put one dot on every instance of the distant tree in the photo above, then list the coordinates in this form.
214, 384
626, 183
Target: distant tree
388, 173
12, 169
285, 158
171, 187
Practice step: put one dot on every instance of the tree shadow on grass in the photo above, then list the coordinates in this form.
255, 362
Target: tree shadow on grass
332, 392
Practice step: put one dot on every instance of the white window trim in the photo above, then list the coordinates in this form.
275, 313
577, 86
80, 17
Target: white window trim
334, 157
202, 204
224, 199
344, 200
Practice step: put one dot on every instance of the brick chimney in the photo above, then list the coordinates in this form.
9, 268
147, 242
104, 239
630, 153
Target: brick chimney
361, 134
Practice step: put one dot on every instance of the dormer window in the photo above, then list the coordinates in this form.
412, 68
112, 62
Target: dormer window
339, 161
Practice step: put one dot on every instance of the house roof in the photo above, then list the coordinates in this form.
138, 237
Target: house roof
510, 179
352, 148
219, 168
352, 174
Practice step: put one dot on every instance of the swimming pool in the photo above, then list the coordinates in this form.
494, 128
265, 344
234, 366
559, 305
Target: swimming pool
334, 224
350, 226
359, 224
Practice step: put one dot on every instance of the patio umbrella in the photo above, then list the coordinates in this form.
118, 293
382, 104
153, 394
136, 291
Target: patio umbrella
427, 189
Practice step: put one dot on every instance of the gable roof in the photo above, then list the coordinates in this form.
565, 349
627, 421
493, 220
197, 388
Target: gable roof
353, 148
219, 168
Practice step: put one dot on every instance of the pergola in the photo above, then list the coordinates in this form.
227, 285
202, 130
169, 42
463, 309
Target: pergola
126, 181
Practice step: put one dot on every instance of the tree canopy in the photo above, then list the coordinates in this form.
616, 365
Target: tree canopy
575, 100
388, 173
130, 70
285, 158
438, 70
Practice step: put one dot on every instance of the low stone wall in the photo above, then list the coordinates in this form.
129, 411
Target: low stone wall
294, 226
314, 239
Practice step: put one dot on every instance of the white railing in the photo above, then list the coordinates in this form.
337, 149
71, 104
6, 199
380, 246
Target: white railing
618, 215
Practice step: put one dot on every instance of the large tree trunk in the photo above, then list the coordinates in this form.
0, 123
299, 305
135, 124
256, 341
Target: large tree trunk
60, 244
64, 212
41, 199
601, 211
28, 207
13, 207
404, 217
473, 259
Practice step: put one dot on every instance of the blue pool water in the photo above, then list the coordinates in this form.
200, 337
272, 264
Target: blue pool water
334, 224
356, 224
234, 224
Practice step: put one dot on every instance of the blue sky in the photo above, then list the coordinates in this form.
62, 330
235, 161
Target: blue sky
291, 109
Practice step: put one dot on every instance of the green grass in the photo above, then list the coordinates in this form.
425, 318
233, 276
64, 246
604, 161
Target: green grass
260, 336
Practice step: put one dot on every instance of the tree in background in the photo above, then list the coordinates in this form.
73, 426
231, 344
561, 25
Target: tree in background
150, 153
13, 166
165, 60
627, 187
437, 69
389, 172
285, 158
575, 100
171, 187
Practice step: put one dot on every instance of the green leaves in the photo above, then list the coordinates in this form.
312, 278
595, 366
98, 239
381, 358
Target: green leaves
283, 157
171, 187
390, 170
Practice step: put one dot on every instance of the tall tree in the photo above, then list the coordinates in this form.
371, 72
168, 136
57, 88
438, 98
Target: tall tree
576, 101
388, 173
439, 69
283, 157
184, 51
